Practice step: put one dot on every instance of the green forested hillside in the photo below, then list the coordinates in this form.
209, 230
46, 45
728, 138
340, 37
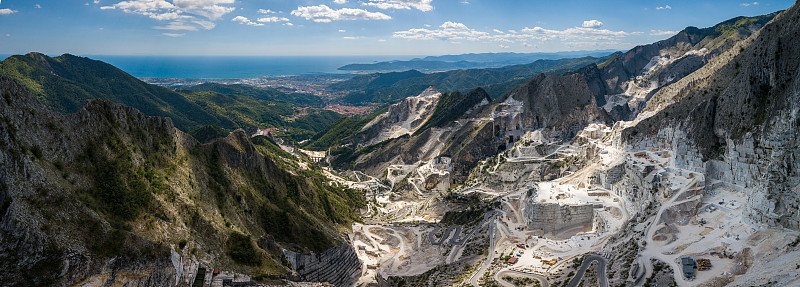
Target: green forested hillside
336, 132
64, 83
267, 94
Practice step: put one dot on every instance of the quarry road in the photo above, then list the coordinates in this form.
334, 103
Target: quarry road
561, 148
651, 250
459, 245
502, 273
601, 271
453, 239
473, 280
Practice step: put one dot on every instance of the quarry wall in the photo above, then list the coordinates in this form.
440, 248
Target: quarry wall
554, 218
339, 266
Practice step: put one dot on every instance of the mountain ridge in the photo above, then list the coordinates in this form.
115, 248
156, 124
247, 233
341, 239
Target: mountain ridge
121, 179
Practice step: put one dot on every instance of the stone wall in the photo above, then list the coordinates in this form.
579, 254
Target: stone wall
553, 218
339, 266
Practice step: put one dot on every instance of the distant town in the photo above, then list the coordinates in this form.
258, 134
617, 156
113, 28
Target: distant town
312, 84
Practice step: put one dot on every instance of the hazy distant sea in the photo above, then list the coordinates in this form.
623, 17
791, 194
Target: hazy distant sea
233, 67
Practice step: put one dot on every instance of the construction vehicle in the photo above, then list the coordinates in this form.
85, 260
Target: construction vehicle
703, 264
550, 262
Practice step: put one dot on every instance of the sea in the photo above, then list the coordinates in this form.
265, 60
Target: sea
234, 67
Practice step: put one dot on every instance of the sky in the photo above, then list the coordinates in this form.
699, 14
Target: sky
351, 27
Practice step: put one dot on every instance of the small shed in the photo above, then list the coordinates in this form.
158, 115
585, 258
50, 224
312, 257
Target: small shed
689, 267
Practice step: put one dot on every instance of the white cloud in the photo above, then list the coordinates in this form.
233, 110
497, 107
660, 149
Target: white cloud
174, 35
168, 16
448, 31
37, 6
577, 33
453, 31
273, 19
662, 33
8, 35
422, 5
340, 2
244, 20
592, 24
267, 11
7, 11
665, 7
342, 31
748, 4
381, 40
208, 25
465, 2
183, 13
349, 38
505, 46
324, 14
288, 24
177, 25
141, 6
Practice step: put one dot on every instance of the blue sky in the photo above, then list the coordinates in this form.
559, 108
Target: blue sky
350, 27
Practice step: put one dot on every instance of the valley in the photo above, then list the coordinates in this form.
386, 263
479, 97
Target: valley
673, 163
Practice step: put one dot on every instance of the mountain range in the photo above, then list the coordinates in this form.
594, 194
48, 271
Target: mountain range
638, 163
469, 61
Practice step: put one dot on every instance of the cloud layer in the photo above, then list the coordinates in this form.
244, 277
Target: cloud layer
324, 14
453, 31
662, 33
246, 21
422, 5
184, 14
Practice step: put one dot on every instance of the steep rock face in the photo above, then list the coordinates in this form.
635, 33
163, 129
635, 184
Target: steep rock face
562, 104
430, 137
628, 81
471, 144
558, 105
101, 196
403, 118
743, 123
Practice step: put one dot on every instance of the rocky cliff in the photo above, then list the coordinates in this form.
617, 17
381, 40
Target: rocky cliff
403, 118
624, 84
741, 119
558, 105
